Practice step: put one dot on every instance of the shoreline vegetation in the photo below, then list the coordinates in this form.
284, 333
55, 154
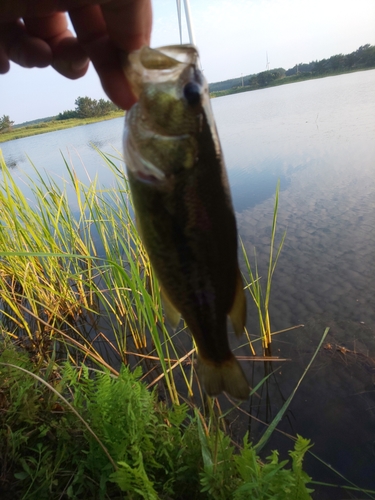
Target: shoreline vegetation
91, 111
44, 127
301, 77
52, 125
99, 399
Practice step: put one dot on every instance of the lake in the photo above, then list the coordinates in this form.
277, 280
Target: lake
318, 138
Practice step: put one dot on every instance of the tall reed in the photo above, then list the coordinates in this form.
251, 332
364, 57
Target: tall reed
261, 296
76, 284
81, 277
75, 275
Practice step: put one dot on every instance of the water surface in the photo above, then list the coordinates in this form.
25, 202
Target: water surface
317, 138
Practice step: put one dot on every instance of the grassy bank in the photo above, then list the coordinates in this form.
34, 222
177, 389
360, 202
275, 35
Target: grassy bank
53, 125
71, 432
283, 81
99, 399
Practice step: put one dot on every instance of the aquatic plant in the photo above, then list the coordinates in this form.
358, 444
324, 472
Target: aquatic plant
79, 300
70, 430
253, 280
81, 277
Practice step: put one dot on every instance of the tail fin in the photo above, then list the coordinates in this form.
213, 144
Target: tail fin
224, 377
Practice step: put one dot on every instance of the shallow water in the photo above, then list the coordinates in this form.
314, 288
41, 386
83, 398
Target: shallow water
317, 137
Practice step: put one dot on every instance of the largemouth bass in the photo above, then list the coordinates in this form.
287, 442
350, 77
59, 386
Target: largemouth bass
183, 206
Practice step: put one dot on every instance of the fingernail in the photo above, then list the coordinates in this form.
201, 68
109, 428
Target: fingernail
80, 64
71, 69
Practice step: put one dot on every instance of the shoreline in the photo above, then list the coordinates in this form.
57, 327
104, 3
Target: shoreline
286, 80
55, 125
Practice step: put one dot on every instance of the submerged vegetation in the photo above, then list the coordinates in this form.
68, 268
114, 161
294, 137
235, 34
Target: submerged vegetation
98, 398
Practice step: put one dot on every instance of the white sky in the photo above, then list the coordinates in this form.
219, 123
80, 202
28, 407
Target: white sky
233, 37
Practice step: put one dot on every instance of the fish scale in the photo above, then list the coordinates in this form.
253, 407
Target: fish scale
183, 207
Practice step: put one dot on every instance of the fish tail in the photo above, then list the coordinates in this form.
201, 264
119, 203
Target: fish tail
227, 376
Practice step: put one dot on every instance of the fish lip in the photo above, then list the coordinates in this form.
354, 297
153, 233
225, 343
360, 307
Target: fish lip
168, 61
186, 54
183, 54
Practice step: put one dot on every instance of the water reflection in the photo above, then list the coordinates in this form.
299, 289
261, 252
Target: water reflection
13, 162
46, 151
253, 186
317, 138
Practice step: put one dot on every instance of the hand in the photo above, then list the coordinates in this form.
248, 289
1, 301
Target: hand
34, 33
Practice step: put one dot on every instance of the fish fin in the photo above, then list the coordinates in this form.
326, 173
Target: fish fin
238, 312
141, 168
224, 377
173, 316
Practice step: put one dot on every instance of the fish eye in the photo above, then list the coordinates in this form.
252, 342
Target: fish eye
192, 93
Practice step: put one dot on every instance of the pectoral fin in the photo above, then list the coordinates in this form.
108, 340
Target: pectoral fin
238, 312
171, 313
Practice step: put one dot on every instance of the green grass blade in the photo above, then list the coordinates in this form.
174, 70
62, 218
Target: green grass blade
263, 440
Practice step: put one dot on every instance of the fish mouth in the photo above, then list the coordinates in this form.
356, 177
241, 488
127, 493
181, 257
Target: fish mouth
164, 64
168, 56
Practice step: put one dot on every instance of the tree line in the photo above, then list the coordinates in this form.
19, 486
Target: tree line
364, 57
88, 108
85, 108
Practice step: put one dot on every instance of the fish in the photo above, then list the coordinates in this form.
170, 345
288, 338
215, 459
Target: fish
183, 207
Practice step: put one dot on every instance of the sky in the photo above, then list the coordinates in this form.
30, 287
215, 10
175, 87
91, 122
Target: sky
234, 37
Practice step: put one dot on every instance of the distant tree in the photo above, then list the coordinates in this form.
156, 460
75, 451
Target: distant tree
262, 78
337, 62
67, 115
367, 55
363, 57
281, 72
266, 77
321, 66
292, 71
350, 60
253, 81
5, 123
105, 107
87, 107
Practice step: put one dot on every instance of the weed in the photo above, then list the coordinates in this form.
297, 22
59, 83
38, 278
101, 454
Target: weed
119, 441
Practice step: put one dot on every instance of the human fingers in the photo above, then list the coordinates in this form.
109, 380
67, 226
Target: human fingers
106, 32
41, 41
34, 34
128, 22
10, 10
68, 56
16, 45
4, 61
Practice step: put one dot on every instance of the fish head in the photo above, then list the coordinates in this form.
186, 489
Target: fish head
162, 128
169, 86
